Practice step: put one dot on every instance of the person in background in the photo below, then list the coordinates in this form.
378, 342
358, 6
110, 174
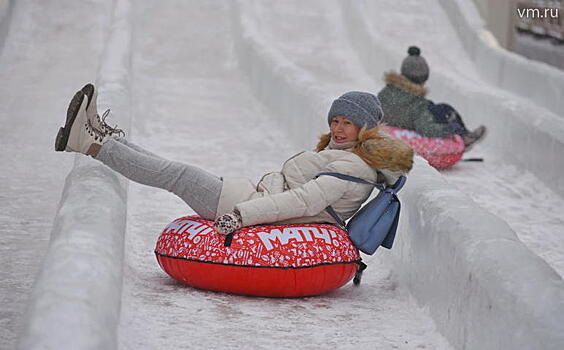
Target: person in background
405, 104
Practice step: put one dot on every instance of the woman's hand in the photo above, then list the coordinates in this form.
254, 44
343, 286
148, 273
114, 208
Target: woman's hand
227, 223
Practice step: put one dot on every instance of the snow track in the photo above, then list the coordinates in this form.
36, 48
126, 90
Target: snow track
237, 87
199, 109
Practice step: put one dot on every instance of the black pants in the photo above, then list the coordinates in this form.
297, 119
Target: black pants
446, 114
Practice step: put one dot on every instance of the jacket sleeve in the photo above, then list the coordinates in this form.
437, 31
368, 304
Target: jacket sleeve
307, 200
426, 125
272, 183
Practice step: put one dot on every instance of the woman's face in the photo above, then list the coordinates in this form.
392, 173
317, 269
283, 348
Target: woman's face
343, 130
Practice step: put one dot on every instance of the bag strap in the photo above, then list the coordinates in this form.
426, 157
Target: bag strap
345, 177
380, 186
336, 216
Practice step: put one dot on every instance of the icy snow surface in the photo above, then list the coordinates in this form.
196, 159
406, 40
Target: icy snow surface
192, 103
529, 207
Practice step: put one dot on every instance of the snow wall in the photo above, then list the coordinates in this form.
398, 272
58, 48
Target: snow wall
483, 287
75, 302
503, 68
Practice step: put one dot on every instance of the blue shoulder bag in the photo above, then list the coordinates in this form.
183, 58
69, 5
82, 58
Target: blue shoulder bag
375, 224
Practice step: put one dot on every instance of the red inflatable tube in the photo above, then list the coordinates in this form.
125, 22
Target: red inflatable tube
439, 152
267, 260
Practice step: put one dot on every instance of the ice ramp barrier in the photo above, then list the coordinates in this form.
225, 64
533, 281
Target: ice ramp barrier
483, 287
75, 302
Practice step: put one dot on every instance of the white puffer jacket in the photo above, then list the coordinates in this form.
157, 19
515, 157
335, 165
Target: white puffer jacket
294, 195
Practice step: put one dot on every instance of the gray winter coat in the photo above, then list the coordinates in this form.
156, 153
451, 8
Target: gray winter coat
406, 107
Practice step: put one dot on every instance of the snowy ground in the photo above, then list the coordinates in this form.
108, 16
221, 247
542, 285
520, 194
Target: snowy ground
192, 103
529, 207
45, 58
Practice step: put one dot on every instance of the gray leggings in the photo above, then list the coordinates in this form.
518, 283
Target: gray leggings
198, 188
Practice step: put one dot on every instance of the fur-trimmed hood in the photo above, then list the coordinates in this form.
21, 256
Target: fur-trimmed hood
403, 83
379, 150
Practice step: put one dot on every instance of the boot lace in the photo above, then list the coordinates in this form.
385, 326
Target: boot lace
98, 135
107, 128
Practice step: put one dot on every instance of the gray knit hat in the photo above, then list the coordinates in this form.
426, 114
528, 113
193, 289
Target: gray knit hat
414, 67
362, 108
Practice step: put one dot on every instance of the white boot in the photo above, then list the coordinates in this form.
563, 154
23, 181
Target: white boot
78, 134
91, 108
97, 122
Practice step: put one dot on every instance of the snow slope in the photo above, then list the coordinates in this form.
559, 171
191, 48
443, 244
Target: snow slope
238, 87
192, 104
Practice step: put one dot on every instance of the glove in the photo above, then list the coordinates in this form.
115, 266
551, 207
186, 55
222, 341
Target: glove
227, 223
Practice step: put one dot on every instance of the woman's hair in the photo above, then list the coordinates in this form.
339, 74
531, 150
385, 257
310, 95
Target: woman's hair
323, 142
377, 149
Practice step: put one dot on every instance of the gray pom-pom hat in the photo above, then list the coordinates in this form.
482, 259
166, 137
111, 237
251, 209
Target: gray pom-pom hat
414, 67
361, 108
